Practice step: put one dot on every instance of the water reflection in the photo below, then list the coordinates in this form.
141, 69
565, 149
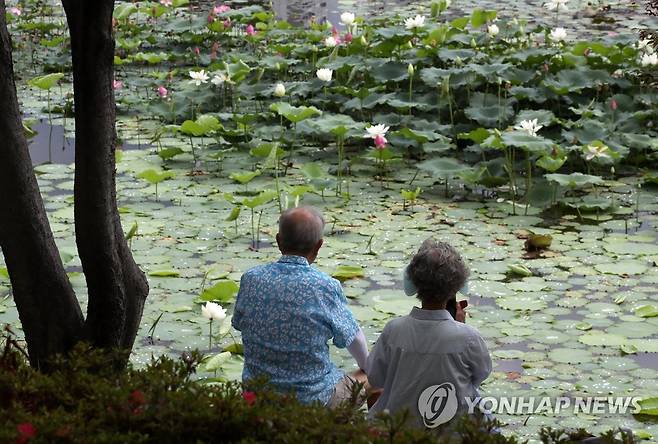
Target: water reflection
50, 144
301, 12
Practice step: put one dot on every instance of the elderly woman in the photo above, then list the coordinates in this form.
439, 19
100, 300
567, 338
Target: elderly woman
429, 362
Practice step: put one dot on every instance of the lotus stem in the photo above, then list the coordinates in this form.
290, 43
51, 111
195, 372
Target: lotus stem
210, 336
411, 91
528, 182
253, 233
260, 215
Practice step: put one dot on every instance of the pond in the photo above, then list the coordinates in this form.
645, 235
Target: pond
575, 319
584, 17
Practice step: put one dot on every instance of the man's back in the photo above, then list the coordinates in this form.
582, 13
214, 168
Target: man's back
287, 311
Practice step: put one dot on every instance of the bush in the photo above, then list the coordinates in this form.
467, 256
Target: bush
83, 399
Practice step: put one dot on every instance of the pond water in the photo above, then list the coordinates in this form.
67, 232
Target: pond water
586, 18
574, 327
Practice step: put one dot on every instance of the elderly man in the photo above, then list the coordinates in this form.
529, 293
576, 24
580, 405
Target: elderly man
288, 310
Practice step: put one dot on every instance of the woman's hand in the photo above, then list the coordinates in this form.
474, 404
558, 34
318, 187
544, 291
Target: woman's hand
460, 314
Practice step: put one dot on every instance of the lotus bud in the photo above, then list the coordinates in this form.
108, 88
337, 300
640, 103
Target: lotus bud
380, 142
612, 170
473, 43
458, 61
410, 45
410, 70
364, 42
279, 90
613, 104
435, 9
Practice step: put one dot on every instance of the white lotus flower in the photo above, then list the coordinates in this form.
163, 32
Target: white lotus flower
529, 126
415, 22
597, 152
213, 311
411, 70
220, 78
279, 90
644, 45
330, 42
558, 34
560, 5
198, 77
347, 18
324, 74
376, 130
649, 59
493, 30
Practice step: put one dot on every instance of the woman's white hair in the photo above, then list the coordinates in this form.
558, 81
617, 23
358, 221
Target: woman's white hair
437, 270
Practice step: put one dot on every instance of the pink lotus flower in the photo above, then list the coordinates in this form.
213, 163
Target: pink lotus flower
348, 37
213, 50
250, 30
211, 18
166, 2
613, 104
220, 9
334, 30
162, 92
117, 84
380, 142
227, 23
15, 11
197, 51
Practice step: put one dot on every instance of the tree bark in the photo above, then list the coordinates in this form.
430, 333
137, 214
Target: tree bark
47, 306
116, 286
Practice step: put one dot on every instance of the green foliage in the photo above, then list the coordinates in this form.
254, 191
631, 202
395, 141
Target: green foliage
46, 82
85, 399
222, 291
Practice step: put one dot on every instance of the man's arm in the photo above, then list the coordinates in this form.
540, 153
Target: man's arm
359, 349
238, 313
377, 363
343, 324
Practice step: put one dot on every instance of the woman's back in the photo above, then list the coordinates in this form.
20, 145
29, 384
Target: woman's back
428, 363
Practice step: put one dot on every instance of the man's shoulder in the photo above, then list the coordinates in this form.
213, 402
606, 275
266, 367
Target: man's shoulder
258, 270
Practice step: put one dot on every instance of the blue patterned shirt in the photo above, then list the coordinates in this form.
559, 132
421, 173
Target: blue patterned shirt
287, 311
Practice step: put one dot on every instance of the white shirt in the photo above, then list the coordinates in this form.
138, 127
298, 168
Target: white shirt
426, 348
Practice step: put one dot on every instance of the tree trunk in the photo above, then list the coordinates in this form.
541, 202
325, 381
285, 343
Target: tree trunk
117, 288
47, 306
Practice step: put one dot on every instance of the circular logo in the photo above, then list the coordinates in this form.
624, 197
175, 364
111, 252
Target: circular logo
438, 404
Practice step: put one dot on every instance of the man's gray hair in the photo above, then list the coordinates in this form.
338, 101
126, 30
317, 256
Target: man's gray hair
299, 233
437, 269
